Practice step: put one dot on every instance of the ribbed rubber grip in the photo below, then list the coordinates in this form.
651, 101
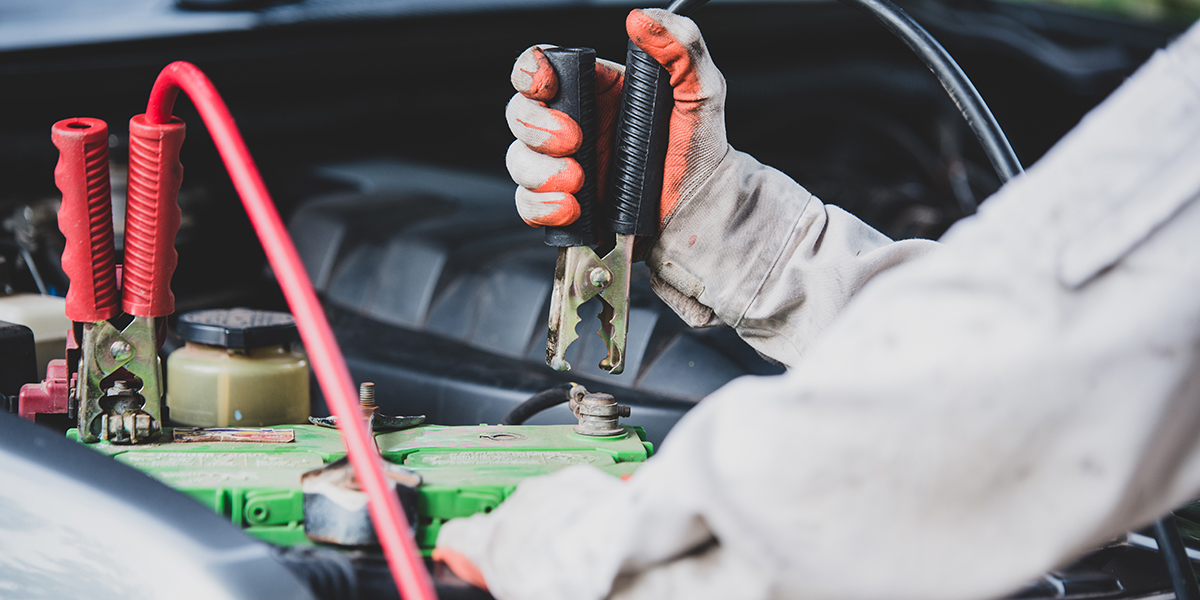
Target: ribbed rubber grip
641, 145
576, 71
85, 218
152, 216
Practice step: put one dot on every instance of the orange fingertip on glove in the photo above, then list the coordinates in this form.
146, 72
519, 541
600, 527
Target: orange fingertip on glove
681, 58
461, 566
534, 76
569, 180
652, 37
545, 130
541, 209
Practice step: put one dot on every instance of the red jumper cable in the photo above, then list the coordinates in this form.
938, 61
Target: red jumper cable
130, 410
333, 376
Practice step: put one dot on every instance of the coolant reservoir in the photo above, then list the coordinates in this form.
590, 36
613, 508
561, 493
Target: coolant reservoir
238, 369
46, 316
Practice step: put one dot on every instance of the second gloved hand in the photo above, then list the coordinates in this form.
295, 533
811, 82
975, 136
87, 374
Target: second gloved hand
539, 161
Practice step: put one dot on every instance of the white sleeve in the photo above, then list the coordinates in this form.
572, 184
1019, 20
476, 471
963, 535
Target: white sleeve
758, 252
971, 420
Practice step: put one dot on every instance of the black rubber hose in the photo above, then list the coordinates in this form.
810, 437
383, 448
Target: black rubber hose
684, 7
951, 76
979, 117
1174, 554
537, 403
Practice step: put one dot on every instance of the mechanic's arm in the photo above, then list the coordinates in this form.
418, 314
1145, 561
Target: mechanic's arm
971, 420
741, 243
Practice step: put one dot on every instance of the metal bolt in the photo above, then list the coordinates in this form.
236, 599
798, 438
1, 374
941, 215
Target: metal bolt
366, 399
121, 350
600, 277
599, 415
119, 386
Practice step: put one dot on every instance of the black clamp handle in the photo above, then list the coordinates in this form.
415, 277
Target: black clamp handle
641, 145
642, 138
576, 71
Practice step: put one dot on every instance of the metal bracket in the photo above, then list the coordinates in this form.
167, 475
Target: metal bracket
579, 276
104, 350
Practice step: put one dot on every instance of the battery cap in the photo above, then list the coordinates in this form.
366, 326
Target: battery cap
238, 328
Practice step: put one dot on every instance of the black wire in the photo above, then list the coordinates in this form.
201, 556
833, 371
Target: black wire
684, 7
951, 76
1183, 578
537, 403
979, 117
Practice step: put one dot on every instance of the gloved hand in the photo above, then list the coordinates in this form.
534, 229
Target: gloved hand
539, 160
740, 244
460, 565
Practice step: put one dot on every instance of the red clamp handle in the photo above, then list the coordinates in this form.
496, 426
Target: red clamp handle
152, 215
85, 218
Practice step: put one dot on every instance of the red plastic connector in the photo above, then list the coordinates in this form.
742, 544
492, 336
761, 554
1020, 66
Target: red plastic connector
152, 215
48, 397
85, 218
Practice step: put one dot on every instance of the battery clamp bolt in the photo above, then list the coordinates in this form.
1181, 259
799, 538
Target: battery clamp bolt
121, 350
124, 421
599, 414
600, 277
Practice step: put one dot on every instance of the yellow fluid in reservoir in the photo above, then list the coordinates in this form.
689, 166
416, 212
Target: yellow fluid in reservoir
212, 386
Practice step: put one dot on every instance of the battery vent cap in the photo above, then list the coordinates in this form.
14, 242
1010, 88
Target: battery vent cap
238, 328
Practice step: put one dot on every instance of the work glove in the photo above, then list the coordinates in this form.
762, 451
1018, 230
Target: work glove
539, 161
740, 244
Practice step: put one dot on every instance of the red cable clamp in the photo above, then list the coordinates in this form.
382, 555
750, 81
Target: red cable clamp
85, 218
152, 215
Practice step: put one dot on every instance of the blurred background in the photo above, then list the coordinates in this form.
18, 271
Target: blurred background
1177, 11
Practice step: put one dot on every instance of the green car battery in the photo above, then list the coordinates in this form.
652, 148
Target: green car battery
464, 470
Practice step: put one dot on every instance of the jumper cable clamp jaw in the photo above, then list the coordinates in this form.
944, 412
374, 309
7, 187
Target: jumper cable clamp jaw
118, 395
580, 274
633, 209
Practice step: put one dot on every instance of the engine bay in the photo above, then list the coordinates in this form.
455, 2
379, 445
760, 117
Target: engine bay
436, 292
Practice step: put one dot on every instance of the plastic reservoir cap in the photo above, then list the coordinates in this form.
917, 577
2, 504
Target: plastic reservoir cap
238, 328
